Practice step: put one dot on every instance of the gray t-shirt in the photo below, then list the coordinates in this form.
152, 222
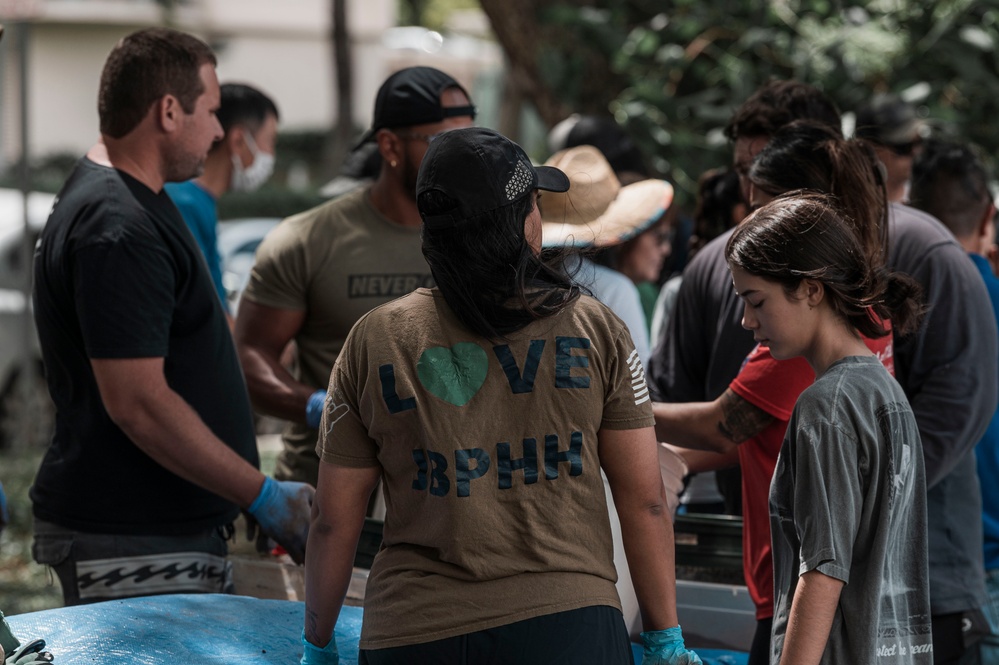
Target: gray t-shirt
848, 499
948, 371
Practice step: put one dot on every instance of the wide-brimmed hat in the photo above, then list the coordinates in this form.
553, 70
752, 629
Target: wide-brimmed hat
483, 171
597, 211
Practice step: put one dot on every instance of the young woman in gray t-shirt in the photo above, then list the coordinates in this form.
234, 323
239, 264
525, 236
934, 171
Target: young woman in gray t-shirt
847, 501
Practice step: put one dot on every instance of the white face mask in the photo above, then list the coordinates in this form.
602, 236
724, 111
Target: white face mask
256, 174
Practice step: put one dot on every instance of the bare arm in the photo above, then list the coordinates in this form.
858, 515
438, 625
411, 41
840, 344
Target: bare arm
337, 518
812, 611
262, 334
630, 460
165, 427
699, 461
717, 426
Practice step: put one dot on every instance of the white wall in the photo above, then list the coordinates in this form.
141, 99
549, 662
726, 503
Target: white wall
282, 47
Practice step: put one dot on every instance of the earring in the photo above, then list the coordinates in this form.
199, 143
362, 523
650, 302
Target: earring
393, 163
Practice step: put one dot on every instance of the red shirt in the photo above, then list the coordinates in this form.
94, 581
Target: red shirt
774, 386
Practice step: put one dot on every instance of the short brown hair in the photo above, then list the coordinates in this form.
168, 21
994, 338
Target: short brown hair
141, 69
778, 103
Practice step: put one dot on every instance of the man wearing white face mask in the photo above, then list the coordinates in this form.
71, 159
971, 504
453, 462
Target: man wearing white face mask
241, 161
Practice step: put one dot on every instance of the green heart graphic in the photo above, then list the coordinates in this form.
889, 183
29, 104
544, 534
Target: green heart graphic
454, 374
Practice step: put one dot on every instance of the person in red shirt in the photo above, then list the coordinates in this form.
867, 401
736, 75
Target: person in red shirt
746, 424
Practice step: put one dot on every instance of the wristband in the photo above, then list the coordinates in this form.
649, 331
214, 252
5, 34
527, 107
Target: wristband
314, 408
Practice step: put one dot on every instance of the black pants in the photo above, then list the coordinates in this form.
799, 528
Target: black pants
957, 638
588, 635
759, 653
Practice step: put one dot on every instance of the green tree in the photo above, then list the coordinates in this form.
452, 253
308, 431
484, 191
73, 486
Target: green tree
672, 72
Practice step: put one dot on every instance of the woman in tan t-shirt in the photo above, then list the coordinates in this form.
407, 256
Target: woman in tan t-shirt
488, 407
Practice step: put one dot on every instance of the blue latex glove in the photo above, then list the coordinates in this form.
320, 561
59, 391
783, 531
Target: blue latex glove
283, 510
314, 409
665, 647
315, 656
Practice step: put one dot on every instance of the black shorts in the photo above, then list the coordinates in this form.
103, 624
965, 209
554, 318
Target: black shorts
588, 635
94, 567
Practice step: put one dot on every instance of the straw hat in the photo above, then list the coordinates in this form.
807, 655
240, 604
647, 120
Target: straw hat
597, 211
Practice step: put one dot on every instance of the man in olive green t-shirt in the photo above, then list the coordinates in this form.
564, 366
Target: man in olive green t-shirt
318, 272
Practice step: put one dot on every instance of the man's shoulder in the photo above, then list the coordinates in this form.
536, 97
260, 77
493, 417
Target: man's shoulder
712, 255
343, 210
608, 279
913, 229
189, 192
94, 197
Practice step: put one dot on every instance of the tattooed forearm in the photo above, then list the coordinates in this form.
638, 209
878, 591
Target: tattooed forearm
740, 419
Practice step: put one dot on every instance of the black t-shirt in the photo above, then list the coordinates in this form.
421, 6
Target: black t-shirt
705, 344
118, 275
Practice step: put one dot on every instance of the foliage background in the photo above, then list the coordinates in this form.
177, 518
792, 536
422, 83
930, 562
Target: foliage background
672, 72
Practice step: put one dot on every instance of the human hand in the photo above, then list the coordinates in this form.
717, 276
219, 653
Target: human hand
283, 511
673, 469
665, 647
254, 534
30, 654
314, 655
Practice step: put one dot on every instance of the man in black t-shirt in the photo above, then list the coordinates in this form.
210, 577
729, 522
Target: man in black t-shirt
154, 452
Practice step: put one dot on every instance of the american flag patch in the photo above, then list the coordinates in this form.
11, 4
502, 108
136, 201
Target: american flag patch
638, 383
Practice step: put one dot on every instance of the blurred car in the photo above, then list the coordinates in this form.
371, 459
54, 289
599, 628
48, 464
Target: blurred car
238, 240
27, 417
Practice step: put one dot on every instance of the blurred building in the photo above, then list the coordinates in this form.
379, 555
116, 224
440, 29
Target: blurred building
282, 47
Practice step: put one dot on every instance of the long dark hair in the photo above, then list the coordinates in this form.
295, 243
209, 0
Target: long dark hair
803, 235
488, 273
809, 155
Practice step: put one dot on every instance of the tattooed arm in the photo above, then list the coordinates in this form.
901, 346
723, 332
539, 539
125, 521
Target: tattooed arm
718, 426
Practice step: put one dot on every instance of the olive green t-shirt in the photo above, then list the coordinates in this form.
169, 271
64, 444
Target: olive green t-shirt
495, 508
336, 262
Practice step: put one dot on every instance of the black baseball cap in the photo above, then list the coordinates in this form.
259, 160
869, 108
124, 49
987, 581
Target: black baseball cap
412, 96
483, 171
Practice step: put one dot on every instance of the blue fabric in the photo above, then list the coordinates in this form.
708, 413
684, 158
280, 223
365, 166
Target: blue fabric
991, 608
198, 208
161, 630
204, 628
4, 515
708, 656
987, 449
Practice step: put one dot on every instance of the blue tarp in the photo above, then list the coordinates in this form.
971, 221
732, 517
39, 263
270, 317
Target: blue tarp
190, 628
201, 629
